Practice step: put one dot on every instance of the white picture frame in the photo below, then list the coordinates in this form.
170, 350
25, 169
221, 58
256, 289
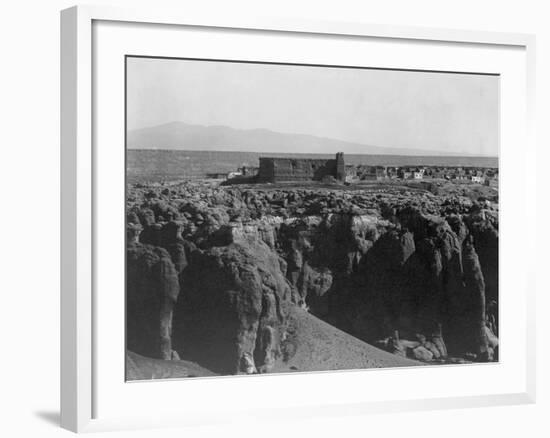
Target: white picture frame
80, 166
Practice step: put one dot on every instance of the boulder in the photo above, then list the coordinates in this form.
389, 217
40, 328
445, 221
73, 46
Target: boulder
151, 292
234, 307
422, 353
432, 348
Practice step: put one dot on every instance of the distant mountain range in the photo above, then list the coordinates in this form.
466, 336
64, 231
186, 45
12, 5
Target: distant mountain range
184, 136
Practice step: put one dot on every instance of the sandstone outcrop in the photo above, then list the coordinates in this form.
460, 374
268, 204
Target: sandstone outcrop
232, 313
152, 289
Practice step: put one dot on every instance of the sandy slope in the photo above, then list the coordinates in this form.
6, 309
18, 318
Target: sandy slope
318, 346
144, 368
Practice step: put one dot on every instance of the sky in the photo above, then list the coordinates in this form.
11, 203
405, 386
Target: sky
448, 112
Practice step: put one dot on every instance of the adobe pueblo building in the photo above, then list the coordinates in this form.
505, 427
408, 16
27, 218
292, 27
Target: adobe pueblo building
301, 169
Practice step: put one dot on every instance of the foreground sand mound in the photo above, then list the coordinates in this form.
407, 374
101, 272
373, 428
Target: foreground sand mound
314, 345
144, 368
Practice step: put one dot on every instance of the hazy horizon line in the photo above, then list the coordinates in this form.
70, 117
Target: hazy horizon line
437, 153
312, 153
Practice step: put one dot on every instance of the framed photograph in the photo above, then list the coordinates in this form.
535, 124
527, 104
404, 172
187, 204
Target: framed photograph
271, 217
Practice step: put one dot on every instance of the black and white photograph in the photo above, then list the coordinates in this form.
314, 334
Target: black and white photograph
289, 218
301, 218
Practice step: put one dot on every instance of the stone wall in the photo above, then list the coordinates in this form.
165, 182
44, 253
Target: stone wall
296, 169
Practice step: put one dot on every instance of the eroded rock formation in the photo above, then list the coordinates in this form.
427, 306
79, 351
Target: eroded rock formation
414, 273
232, 314
152, 288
